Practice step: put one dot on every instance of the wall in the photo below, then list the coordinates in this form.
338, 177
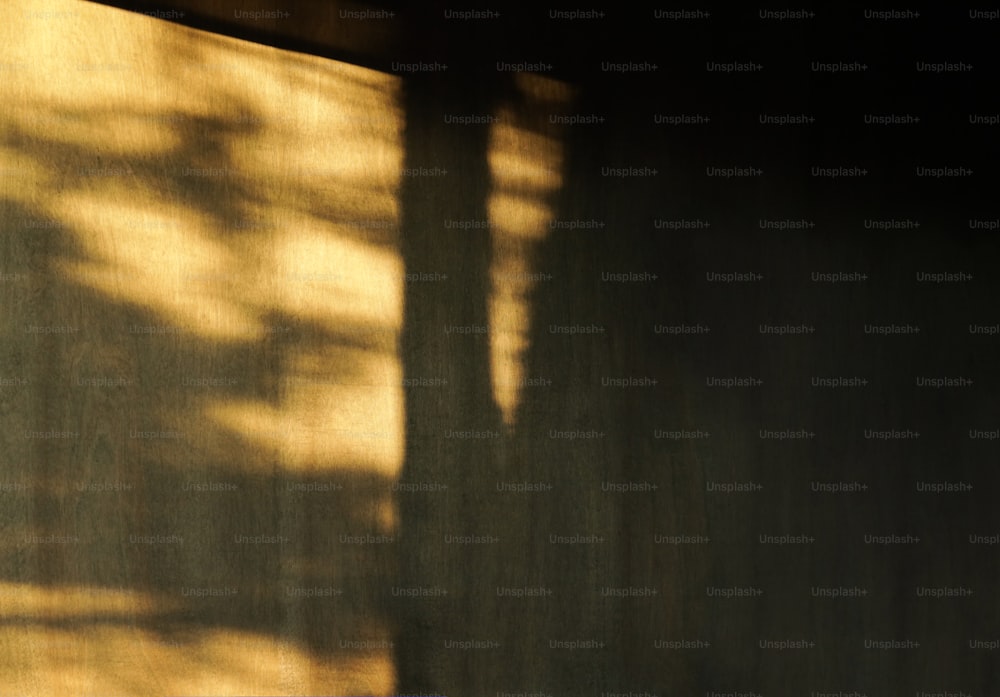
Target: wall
325, 376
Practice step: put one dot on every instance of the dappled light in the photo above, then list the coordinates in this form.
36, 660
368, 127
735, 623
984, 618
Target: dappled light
210, 229
525, 159
209, 662
383, 349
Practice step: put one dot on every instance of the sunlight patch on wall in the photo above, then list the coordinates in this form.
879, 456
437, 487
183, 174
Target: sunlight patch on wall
342, 425
242, 200
128, 661
334, 280
215, 185
187, 280
185, 161
525, 161
29, 602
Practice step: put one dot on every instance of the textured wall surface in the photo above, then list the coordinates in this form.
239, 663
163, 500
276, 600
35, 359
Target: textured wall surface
362, 350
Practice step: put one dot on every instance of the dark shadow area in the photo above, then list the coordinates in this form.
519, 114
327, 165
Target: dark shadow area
632, 341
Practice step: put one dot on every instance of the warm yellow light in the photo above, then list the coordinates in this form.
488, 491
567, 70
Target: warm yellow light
525, 168
245, 198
